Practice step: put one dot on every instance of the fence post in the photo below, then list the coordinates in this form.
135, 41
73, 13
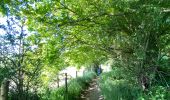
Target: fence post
83, 72
66, 87
58, 81
76, 74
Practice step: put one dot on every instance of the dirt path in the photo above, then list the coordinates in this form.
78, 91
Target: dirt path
93, 92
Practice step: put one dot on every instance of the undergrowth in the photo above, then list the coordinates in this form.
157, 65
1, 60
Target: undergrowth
114, 86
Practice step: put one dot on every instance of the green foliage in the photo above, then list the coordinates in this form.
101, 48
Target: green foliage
57, 94
114, 86
74, 89
27, 96
155, 93
80, 32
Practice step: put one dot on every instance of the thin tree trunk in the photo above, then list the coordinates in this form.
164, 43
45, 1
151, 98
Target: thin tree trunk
4, 90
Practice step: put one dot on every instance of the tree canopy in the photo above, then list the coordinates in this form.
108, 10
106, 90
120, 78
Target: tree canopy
133, 33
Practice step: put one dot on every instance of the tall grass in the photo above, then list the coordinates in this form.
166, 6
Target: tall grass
75, 88
116, 88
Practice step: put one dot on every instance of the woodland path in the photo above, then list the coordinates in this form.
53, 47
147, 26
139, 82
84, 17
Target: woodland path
93, 92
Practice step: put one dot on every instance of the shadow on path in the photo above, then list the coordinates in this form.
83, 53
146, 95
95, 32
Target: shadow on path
93, 92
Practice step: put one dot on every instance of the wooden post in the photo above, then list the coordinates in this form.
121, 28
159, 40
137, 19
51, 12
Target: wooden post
0, 92
83, 72
66, 82
66, 87
58, 81
76, 74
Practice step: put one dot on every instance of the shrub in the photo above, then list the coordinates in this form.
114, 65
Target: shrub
155, 93
117, 88
57, 94
13, 95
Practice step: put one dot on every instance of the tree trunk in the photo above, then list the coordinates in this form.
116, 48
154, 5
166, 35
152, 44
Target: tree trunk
149, 61
4, 90
20, 88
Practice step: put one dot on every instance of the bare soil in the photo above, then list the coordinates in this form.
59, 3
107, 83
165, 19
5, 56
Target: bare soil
93, 92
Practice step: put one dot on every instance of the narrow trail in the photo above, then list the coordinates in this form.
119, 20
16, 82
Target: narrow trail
93, 92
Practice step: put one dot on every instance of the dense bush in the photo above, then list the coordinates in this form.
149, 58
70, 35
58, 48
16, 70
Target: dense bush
26, 96
119, 88
75, 86
116, 87
156, 93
